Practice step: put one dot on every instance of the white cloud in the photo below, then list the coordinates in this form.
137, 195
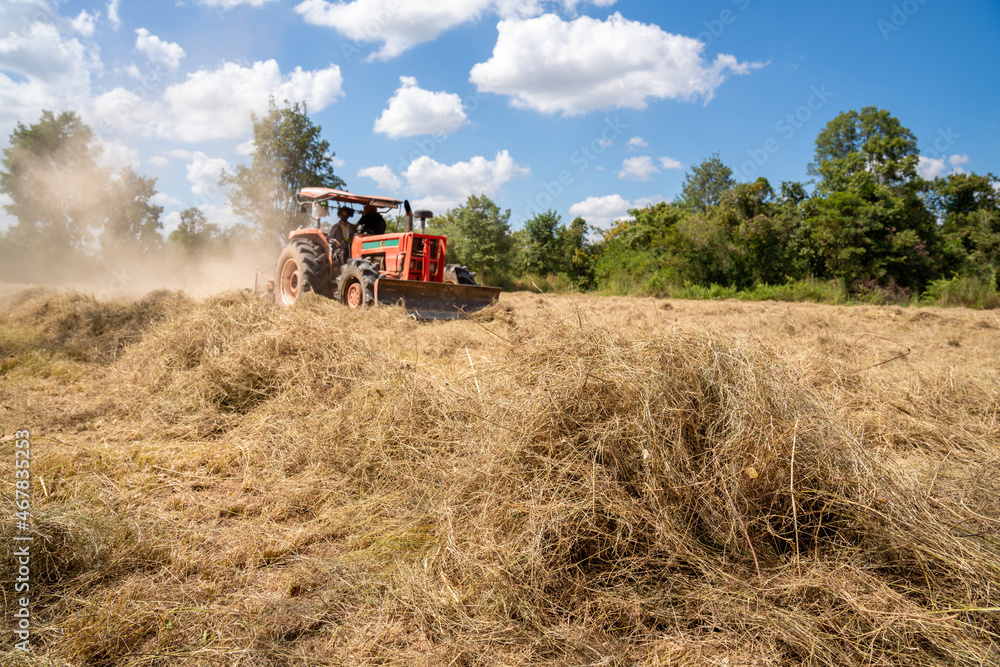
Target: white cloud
670, 163
387, 179
336, 161
39, 52
637, 142
413, 110
84, 24
604, 212
121, 109
113, 17
445, 186
216, 104
246, 148
163, 199
159, 161
638, 168
171, 221
643, 202
157, 50
956, 161
204, 173
180, 153
223, 216
399, 26
116, 155
554, 66
931, 168
642, 168
55, 72
601, 212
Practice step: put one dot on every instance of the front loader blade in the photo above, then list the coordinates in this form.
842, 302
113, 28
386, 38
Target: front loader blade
435, 301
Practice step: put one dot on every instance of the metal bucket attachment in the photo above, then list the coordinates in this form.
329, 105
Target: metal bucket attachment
435, 301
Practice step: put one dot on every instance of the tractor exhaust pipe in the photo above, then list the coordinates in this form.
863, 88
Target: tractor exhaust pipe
409, 215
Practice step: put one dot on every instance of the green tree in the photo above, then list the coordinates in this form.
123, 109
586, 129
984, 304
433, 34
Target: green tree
578, 253
859, 148
288, 154
486, 240
55, 186
706, 183
132, 224
195, 234
638, 253
969, 207
793, 192
540, 251
441, 225
887, 240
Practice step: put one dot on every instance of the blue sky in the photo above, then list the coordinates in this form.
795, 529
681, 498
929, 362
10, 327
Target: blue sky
585, 107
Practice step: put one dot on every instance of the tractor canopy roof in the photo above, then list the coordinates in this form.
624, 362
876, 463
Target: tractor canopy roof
309, 195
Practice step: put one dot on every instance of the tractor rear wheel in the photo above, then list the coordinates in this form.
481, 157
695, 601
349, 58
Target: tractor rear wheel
458, 275
303, 266
356, 284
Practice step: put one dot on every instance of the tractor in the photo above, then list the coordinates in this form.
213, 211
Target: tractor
406, 268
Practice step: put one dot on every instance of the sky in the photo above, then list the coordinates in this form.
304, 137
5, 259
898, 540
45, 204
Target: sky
585, 107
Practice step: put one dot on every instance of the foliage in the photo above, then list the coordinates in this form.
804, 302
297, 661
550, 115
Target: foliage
55, 186
195, 234
483, 234
539, 250
966, 291
288, 154
705, 184
578, 253
635, 254
132, 224
969, 207
559, 256
857, 147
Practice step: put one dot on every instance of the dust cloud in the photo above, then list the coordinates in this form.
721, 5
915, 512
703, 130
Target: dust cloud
61, 239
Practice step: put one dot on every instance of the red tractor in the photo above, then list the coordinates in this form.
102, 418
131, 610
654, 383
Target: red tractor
407, 267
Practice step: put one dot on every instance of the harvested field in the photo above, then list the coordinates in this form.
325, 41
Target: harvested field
561, 480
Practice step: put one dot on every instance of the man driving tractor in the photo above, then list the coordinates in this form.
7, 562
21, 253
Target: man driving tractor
341, 235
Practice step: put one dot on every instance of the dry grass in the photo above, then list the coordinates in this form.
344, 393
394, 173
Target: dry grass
559, 481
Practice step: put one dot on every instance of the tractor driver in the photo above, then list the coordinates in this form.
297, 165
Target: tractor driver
341, 235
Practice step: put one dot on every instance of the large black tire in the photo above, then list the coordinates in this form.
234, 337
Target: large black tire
356, 284
459, 275
303, 266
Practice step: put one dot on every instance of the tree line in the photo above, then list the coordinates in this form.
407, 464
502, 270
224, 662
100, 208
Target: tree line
867, 227
872, 229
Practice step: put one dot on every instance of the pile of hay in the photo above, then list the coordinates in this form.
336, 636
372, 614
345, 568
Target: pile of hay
237, 484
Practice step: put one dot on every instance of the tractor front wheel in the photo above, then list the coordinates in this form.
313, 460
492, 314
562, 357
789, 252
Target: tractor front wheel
356, 284
303, 266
